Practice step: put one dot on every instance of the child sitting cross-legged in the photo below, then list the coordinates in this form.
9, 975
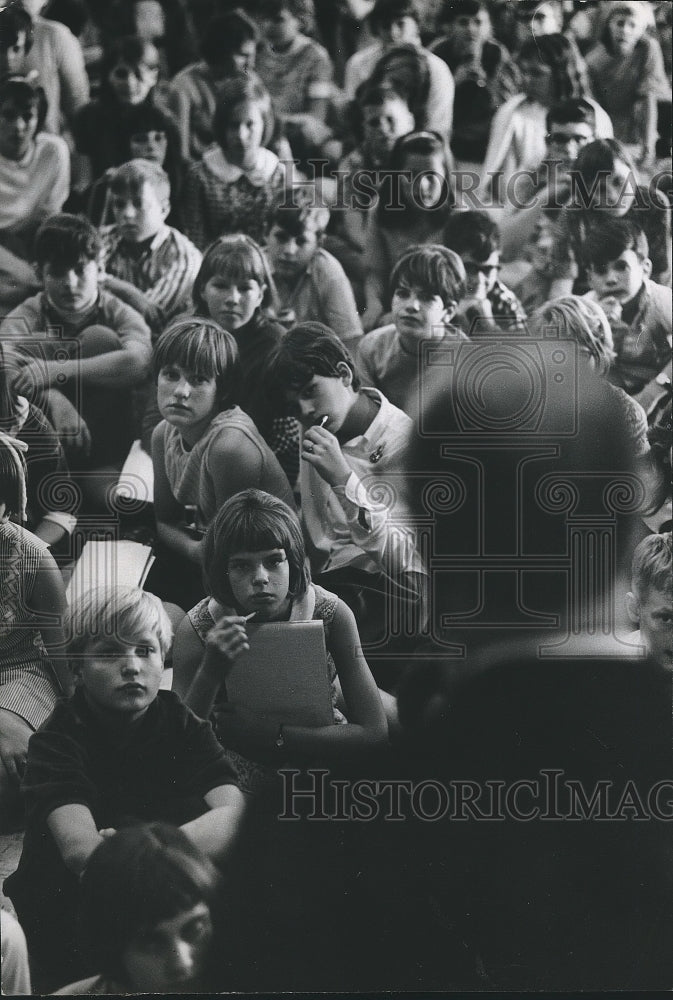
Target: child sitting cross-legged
426, 286
119, 752
75, 339
649, 602
638, 309
255, 566
147, 264
489, 304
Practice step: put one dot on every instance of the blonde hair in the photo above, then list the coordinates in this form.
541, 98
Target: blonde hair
105, 612
573, 317
652, 564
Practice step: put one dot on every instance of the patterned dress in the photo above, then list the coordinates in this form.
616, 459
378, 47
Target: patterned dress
27, 685
316, 605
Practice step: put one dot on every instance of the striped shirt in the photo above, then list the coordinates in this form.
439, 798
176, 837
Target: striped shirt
164, 271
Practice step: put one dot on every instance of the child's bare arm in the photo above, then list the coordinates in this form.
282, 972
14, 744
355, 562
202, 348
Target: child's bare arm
215, 831
224, 643
74, 830
48, 603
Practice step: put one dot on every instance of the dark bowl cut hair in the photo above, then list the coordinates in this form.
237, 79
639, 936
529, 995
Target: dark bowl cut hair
575, 109
253, 521
472, 232
557, 52
434, 269
240, 258
233, 92
15, 19
66, 240
134, 880
609, 240
308, 349
451, 10
201, 345
25, 95
600, 156
385, 12
224, 34
12, 479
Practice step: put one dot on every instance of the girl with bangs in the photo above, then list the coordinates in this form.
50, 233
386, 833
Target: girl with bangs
255, 563
235, 287
205, 449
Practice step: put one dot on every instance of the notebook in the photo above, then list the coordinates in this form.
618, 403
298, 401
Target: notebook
284, 674
110, 563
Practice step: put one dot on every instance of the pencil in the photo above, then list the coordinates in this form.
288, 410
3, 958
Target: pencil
248, 617
323, 420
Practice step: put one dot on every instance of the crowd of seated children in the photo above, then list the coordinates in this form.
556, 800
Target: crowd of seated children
255, 566
426, 287
266, 264
119, 751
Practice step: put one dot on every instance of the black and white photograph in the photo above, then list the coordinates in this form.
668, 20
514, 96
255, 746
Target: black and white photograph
336, 566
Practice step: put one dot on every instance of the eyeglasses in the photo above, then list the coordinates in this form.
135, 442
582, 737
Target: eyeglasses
561, 139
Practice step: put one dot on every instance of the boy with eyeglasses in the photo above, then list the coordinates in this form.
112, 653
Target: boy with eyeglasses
489, 304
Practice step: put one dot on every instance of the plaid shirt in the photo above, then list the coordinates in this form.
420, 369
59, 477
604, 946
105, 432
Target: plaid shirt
164, 271
508, 312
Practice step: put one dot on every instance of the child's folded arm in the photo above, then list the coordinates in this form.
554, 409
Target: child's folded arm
74, 830
214, 831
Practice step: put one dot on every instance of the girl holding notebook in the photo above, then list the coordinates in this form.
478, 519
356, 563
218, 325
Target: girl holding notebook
256, 571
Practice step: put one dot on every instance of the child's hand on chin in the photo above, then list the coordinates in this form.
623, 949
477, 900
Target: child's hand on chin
612, 308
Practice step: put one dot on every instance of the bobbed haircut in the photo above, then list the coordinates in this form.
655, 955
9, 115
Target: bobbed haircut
606, 241
640, 9
14, 19
12, 478
24, 94
103, 612
224, 34
134, 880
473, 233
450, 10
66, 240
233, 92
132, 175
601, 156
573, 110
572, 317
652, 565
297, 217
202, 346
252, 521
407, 70
557, 52
434, 269
419, 144
308, 349
236, 258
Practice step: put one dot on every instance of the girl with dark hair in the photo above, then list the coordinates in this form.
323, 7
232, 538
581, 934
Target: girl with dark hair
255, 563
605, 185
405, 69
104, 128
147, 914
231, 189
206, 448
413, 210
551, 71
